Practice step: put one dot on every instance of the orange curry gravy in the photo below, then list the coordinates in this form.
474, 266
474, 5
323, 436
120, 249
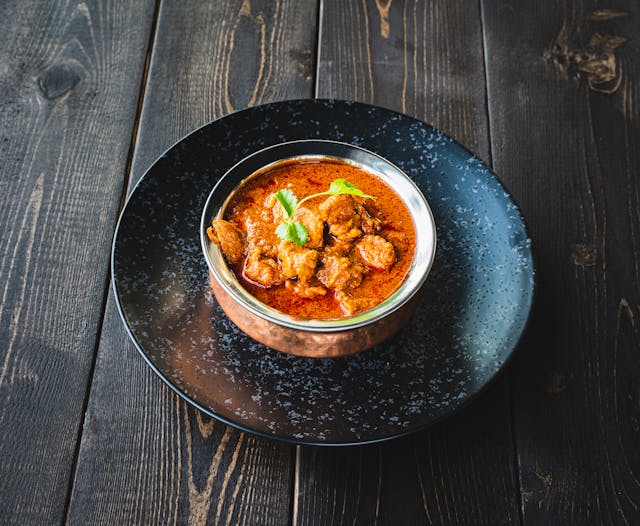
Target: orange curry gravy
387, 217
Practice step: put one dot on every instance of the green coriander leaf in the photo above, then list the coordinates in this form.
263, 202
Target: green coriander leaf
301, 234
288, 200
296, 232
342, 186
292, 231
282, 231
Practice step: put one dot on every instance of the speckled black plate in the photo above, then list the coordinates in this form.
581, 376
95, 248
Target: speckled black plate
475, 307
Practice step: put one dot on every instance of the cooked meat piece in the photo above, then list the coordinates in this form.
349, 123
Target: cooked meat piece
350, 305
370, 224
376, 252
262, 270
298, 261
277, 213
229, 238
339, 211
395, 236
304, 289
261, 237
313, 224
338, 248
344, 232
340, 273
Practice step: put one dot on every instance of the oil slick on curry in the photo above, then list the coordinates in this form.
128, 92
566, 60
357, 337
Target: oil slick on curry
345, 252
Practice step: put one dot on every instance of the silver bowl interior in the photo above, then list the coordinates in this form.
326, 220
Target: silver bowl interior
310, 150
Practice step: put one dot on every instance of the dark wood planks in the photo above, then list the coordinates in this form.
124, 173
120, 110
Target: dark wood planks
424, 59
225, 58
456, 473
565, 128
70, 76
145, 456
148, 458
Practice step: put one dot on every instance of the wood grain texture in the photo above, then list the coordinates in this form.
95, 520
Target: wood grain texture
225, 58
69, 83
420, 58
564, 95
424, 59
147, 458
456, 473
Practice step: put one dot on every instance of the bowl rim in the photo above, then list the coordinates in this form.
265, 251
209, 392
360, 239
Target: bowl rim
411, 285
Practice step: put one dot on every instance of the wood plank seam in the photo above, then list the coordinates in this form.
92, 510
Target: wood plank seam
510, 394
85, 402
136, 123
316, 87
295, 505
295, 468
107, 283
516, 459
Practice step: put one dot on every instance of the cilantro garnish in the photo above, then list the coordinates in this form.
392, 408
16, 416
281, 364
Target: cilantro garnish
290, 230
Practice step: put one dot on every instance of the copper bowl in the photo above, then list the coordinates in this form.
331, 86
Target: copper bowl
310, 337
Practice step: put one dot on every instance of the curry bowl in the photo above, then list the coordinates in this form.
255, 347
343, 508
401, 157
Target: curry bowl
321, 337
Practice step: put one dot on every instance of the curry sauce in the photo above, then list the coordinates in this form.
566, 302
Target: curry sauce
357, 253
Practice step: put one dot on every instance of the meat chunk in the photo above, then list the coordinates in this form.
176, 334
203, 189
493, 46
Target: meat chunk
298, 261
276, 212
338, 248
229, 238
395, 236
262, 238
351, 305
264, 271
340, 273
304, 288
376, 252
339, 211
370, 224
313, 224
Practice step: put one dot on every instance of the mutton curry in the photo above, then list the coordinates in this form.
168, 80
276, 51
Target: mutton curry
355, 251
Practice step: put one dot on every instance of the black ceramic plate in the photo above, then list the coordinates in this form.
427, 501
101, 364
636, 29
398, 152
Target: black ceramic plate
475, 306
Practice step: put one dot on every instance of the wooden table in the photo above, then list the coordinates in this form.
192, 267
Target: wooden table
546, 92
